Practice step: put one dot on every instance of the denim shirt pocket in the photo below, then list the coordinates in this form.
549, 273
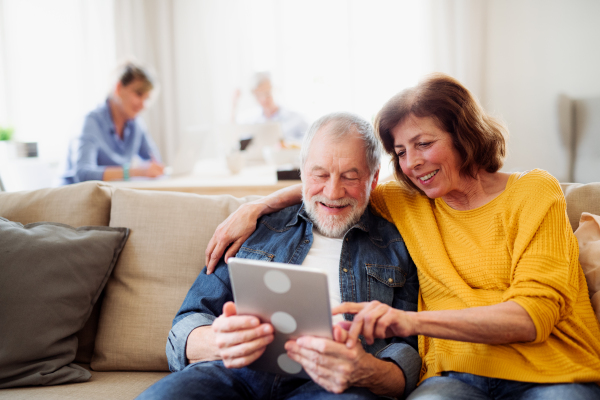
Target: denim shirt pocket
383, 280
252, 254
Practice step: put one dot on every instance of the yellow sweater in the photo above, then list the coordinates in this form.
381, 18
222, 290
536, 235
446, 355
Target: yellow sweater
518, 247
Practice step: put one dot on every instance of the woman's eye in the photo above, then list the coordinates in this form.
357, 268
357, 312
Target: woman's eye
401, 154
424, 144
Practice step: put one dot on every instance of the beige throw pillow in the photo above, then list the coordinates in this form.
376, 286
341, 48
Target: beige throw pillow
162, 258
588, 235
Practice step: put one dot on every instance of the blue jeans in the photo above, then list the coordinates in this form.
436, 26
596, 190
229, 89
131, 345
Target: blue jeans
212, 380
458, 386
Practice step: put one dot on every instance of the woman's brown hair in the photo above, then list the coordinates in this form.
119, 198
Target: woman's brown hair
130, 72
478, 138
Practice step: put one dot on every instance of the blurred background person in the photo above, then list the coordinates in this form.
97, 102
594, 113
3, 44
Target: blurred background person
293, 125
113, 137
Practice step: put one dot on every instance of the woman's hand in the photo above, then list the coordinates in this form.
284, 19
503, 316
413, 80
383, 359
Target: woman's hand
232, 233
155, 169
238, 227
375, 320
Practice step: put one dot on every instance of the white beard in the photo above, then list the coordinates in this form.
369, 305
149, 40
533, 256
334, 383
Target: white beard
334, 226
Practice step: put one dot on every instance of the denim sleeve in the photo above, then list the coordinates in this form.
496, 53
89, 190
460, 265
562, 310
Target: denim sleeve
203, 303
404, 351
86, 164
407, 358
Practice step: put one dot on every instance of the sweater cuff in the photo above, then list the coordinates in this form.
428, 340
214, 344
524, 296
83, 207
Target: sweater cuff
409, 361
178, 335
543, 312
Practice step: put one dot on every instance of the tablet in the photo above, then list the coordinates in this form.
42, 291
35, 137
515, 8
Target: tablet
294, 299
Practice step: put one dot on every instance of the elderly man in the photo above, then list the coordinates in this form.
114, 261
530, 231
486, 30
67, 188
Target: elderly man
293, 125
210, 346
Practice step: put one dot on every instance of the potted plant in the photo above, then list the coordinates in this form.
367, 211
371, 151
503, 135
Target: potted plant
6, 133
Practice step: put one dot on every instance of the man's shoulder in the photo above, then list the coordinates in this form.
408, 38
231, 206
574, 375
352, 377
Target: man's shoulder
280, 219
380, 226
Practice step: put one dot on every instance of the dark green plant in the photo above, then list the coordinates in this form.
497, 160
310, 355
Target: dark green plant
6, 133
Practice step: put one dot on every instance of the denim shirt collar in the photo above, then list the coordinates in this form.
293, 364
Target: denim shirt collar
113, 129
366, 223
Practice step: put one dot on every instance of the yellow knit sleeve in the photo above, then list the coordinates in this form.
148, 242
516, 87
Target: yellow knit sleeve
378, 201
544, 275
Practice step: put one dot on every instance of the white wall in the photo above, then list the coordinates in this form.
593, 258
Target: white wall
538, 50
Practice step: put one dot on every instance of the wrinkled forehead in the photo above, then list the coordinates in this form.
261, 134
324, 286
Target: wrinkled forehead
337, 152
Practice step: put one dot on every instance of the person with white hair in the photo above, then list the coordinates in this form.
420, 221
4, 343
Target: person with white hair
293, 125
210, 346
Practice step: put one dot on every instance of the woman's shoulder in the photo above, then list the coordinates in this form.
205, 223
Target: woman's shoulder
534, 192
538, 182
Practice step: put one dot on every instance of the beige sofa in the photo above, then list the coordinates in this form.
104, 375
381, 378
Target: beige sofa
123, 342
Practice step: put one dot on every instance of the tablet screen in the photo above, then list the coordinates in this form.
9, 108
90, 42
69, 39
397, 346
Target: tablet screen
295, 300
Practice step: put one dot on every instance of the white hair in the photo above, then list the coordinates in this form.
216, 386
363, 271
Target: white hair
342, 124
260, 77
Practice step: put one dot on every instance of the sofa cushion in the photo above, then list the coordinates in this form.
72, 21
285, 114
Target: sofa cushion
581, 198
101, 386
82, 204
163, 257
51, 275
588, 236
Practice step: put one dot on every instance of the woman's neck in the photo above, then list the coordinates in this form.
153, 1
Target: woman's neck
117, 116
478, 191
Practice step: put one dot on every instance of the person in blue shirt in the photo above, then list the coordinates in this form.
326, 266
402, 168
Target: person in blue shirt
113, 135
209, 346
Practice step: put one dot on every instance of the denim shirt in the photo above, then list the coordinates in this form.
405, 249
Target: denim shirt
99, 146
374, 265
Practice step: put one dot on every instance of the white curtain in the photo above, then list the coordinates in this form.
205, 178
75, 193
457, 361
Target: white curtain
325, 56
144, 32
54, 58
459, 39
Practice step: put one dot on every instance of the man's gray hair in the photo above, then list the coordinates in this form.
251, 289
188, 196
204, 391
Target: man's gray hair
341, 126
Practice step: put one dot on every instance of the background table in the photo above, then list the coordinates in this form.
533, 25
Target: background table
213, 177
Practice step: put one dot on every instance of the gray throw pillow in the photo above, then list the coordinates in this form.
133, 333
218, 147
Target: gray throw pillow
50, 277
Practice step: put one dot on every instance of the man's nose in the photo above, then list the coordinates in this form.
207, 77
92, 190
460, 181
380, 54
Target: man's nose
334, 189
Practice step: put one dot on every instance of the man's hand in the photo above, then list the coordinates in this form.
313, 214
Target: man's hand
375, 320
240, 339
330, 363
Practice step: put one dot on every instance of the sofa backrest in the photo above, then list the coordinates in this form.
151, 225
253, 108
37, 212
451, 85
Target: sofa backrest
163, 256
581, 198
84, 204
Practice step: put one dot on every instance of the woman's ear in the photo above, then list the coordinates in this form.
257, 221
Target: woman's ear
118, 89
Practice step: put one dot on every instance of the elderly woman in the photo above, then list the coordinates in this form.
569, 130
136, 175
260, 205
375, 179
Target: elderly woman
504, 310
113, 135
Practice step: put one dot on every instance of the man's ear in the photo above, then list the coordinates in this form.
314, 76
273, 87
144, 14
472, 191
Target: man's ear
375, 180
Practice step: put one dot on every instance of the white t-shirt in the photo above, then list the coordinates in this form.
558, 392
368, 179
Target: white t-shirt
324, 254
